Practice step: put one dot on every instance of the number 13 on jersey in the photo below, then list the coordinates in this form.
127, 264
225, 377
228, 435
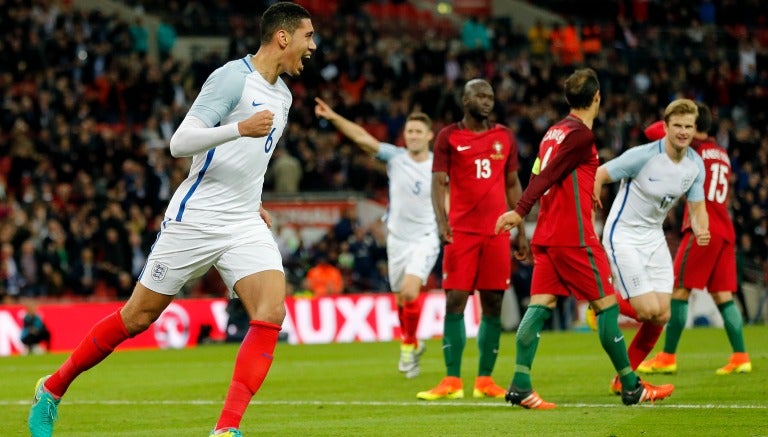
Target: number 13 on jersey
483, 168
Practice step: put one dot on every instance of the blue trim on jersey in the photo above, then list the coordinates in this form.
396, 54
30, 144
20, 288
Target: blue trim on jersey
247, 64
660, 149
613, 228
208, 159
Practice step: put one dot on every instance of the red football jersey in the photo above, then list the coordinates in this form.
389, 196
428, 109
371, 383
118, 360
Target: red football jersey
477, 164
562, 180
717, 166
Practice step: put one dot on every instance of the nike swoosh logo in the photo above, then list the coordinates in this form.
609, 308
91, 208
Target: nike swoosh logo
654, 179
256, 104
618, 339
463, 148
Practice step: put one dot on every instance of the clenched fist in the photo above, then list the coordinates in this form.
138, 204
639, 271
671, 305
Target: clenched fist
257, 125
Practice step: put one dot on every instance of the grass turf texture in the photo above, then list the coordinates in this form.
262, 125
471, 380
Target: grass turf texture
355, 389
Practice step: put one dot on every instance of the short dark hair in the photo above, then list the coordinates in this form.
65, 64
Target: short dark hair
581, 87
704, 120
282, 15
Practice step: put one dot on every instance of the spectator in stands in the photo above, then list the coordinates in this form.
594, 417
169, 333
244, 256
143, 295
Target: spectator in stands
474, 34
139, 37
570, 53
84, 274
34, 331
10, 278
324, 279
592, 40
347, 224
29, 270
538, 40
166, 39
285, 172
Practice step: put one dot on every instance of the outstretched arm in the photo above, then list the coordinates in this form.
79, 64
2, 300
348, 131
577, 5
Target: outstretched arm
351, 130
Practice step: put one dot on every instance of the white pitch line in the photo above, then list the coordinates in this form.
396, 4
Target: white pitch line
401, 404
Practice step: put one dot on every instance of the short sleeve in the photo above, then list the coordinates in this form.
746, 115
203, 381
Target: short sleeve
696, 192
219, 95
441, 159
628, 165
388, 151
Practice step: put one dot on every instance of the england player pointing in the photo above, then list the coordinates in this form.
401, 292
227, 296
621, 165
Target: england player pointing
412, 242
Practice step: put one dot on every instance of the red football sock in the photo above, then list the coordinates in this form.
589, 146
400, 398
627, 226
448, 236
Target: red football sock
625, 307
97, 345
643, 343
251, 366
400, 319
410, 321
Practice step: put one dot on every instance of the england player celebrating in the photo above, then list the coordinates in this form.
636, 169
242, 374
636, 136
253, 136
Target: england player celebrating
653, 178
713, 266
215, 218
412, 241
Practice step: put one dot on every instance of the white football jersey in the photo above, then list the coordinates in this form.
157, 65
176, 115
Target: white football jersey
225, 183
651, 183
410, 212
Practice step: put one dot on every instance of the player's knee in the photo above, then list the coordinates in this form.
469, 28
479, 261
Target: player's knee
139, 322
455, 301
646, 314
272, 314
662, 319
409, 294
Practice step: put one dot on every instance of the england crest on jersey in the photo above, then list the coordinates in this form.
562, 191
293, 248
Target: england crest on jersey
686, 182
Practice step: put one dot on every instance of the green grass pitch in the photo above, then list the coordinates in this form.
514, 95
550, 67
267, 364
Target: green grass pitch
355, 390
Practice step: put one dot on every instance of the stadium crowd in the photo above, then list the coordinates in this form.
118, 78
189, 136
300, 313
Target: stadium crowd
87, 114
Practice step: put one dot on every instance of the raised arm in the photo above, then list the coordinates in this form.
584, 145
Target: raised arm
351, 130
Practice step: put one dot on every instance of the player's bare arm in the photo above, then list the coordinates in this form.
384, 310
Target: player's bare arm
257, 125
507, 221
514, 192
601, 178
439, 188
351, 130
265, 216
700, 222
